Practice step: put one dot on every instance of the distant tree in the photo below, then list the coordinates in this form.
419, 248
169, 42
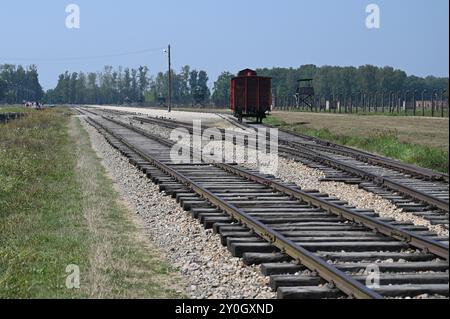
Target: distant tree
107, 87
113, 86
193, 81
72, 88
134, 95
183, 78
160, 86
202, 84
80, 89
329, 80
92, 88
3, 87
144, 82
33, 82
20, 84
126, 84
221, 89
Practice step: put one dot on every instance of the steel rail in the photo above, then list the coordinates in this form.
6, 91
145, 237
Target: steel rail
383, 181
415, 172
371, 158
328, 272
357, 154
344, 150
374, 224
384, 228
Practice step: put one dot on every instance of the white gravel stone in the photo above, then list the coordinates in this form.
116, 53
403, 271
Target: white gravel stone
182, 116
207, 266
309, 178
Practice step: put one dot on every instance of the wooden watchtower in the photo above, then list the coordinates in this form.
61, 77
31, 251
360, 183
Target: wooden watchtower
304, 95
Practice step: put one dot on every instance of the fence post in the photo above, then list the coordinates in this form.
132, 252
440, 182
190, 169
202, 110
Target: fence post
374, 101
423, 102
415, 102
390, 102
351, 103
406, 102
434, 94
346, 101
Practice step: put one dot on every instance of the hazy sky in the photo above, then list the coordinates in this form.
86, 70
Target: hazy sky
218, 35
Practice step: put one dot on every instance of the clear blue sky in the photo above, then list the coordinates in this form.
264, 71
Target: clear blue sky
218, 35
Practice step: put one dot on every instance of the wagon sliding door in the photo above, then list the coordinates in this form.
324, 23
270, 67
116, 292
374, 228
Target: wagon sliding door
239, 95
252, 95
265, 94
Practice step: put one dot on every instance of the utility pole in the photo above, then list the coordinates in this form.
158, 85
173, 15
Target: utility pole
170, 81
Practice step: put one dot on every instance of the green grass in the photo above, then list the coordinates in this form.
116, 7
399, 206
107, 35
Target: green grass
15, 109
385, 142
361, 112
45, 198
40, 232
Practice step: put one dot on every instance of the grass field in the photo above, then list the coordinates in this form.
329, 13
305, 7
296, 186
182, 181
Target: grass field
419, 113
14, 109
59, 208
419, 141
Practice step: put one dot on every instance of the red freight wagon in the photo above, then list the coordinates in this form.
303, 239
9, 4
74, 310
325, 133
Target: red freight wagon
250, 95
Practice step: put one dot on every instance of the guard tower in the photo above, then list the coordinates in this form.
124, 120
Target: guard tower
304, 95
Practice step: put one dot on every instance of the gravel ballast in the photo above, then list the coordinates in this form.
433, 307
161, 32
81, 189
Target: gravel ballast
181, 116
207, 266
309, 178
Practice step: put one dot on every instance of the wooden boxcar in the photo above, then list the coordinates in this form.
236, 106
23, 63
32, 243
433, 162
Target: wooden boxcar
250, 95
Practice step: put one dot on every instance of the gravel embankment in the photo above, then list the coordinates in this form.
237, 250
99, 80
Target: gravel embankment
309, 178
207, 266
182, 116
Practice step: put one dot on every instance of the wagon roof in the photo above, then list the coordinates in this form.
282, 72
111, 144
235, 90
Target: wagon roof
249, 73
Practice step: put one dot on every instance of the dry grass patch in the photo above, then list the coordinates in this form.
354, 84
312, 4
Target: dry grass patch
57, 208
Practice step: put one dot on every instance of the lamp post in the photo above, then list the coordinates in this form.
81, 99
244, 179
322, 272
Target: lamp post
169, 98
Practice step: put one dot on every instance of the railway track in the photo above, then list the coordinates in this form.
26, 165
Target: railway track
418, 191
373, 173
310, 244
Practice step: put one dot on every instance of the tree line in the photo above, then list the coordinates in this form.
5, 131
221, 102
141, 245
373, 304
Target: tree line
334, 80
124, 85
18, 84
107, 87
190, 86
330, 80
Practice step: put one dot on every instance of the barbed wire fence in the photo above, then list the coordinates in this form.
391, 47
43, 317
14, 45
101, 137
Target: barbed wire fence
414, 103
